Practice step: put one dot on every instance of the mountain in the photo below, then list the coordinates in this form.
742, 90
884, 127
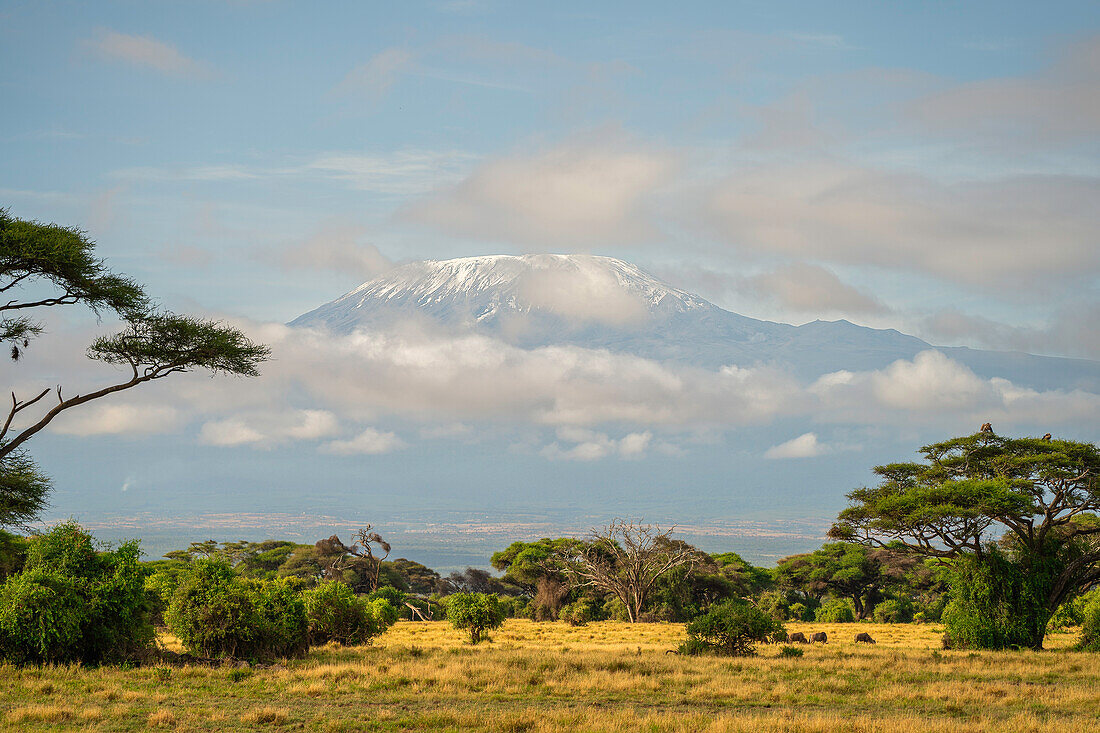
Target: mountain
602, 302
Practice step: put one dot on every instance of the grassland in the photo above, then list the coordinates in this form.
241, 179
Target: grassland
601, 677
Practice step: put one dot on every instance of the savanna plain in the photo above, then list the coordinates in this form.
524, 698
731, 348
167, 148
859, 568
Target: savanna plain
605, 676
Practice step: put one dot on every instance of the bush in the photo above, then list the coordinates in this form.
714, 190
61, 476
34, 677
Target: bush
775, 605
799, 612
74, 604
1090, 628
894, 611
996, 603
835, 612
731, 628
281, 626
336, 614
216, 614
475, 612
791, 651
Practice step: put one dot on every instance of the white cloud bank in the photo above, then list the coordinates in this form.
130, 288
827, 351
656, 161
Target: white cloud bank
372, 393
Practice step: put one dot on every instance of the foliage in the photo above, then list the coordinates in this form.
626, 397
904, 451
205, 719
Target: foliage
216, 613
894, 611
64, 258
355, 564
731, 628
775, 605
835, 612
336, 614
153, 345
845, 569
74, 604
1038, 493
13, 554
996, 602
476, 613
23, 489
791, 652
626, 559
1090, 627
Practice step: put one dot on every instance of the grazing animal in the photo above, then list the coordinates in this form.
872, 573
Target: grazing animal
946, 642
1047, 437
820, 636
986, 428
799, 637
864, 637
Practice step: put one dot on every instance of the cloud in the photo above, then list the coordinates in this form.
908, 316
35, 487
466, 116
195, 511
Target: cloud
229, 432
582, 294
265, 429
402, 172
808, 288
931, 381
573, 196
369, 442
115, 418
373, 78
146, 52
1037, 231
334, 248
1059, 104
1069, 331
932, 389
804, 446
589, 445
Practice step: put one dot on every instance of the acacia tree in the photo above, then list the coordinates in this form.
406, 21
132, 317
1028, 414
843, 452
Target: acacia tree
358, 558
994, 505
625, 559
846, 569
44, 266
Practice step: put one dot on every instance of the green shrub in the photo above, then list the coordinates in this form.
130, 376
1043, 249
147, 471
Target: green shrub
730, 628
835, 612
791, 651
799, 612
217, 614
996, 603
74, 604
775, 605
336, 614
894, 611
476, 613
1090, 627
1072, 613
389, 594
282, 629
212, 612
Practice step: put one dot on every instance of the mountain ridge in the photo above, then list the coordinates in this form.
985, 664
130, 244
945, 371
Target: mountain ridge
602, 302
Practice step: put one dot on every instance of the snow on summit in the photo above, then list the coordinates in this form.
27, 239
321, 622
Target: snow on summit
577, 289
596, 302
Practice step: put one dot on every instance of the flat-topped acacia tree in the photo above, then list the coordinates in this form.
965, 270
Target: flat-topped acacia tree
44, 266
1015, 514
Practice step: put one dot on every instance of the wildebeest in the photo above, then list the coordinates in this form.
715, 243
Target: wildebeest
799, 637
864, 637
820, 636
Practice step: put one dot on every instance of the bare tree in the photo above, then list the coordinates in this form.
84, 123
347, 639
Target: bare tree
626, 558
359, 557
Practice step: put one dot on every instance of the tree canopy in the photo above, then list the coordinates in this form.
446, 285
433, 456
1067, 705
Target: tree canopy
1034, 497
46, 265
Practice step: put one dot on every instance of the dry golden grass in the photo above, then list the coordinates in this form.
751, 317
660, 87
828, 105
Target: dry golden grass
601, 677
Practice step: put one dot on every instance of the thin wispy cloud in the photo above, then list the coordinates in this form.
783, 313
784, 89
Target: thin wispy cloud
145, 52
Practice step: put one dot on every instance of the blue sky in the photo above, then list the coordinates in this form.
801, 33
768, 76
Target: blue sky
928, 167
